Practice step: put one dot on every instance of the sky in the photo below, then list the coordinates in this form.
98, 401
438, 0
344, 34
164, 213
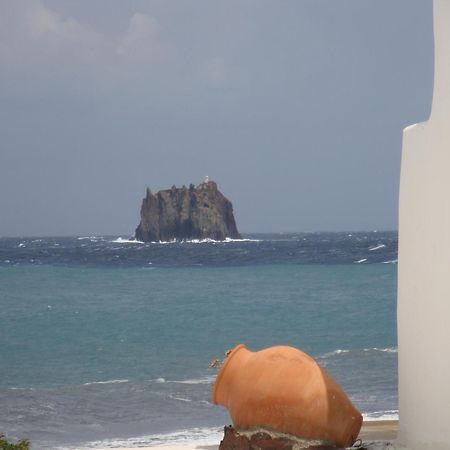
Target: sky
294, 107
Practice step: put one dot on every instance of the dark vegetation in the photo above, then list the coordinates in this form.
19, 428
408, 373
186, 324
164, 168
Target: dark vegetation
23, 444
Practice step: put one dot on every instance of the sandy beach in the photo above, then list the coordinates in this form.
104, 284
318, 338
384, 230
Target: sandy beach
371, 432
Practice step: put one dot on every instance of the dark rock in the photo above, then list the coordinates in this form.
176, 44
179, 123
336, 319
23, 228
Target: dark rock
261, 440
272, 444
260, 435
180, 213
232, 440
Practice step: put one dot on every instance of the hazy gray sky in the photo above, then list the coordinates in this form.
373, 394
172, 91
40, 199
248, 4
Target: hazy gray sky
295, 107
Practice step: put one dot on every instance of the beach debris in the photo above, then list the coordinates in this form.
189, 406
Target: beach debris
285, 389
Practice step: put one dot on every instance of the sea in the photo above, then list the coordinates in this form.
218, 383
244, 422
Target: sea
106, 341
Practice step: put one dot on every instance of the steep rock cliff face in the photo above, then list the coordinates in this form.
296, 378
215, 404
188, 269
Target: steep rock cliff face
187, 213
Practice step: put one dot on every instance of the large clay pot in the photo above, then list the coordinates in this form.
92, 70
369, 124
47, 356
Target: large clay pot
285, 389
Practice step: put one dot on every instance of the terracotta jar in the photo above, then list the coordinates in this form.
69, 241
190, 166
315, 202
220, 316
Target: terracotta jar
285, 389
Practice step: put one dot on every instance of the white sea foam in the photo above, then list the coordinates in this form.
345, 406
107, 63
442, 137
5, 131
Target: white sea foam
121, 240
243, 240
21, 245
377, 247
193, 436
173, 241
106, 382
213, 241
393, 261
339, 351
82, 238
206, 380
384, 350
360, 261
181, 399
391, 414
204, 241
158, 380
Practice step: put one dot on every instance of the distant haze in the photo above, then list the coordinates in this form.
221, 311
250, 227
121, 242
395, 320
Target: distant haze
295, 108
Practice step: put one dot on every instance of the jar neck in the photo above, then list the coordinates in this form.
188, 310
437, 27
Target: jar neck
228, 373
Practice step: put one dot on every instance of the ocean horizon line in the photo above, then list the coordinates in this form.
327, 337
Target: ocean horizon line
251, 233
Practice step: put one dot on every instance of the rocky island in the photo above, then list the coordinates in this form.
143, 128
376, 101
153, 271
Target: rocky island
197, 212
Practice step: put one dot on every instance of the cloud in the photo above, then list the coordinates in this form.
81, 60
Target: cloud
39, 43
35, 35
45, 22
142, 42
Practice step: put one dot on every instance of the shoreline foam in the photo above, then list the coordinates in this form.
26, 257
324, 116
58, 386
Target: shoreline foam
371, 431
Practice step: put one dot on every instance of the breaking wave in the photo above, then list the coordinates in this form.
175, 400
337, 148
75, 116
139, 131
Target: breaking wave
377, 247
340, 351
197, 436
120, 240
105, 382
333, 353
205, 380
384, 350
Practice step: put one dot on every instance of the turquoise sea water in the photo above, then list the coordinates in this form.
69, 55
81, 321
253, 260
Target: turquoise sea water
98, 350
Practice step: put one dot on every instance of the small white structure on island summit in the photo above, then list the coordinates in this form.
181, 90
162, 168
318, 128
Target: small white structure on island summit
424, 264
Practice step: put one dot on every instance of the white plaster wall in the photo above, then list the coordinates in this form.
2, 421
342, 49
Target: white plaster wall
424, 264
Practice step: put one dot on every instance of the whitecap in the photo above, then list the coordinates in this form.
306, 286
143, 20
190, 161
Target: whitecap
360, 261
206, 380
157, 380
384, 350
173, 241
81, 238
181, 399
394, 261
377, 247
242, 240
203, 241
120, 240
339, 351
21, 389
106, 382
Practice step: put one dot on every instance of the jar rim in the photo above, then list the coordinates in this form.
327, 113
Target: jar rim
222, 371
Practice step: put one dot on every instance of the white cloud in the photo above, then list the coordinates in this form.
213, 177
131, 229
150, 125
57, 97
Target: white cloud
142, 42
45, 22
38, 40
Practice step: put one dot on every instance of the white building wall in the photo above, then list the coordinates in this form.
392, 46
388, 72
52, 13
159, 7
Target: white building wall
424, 264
